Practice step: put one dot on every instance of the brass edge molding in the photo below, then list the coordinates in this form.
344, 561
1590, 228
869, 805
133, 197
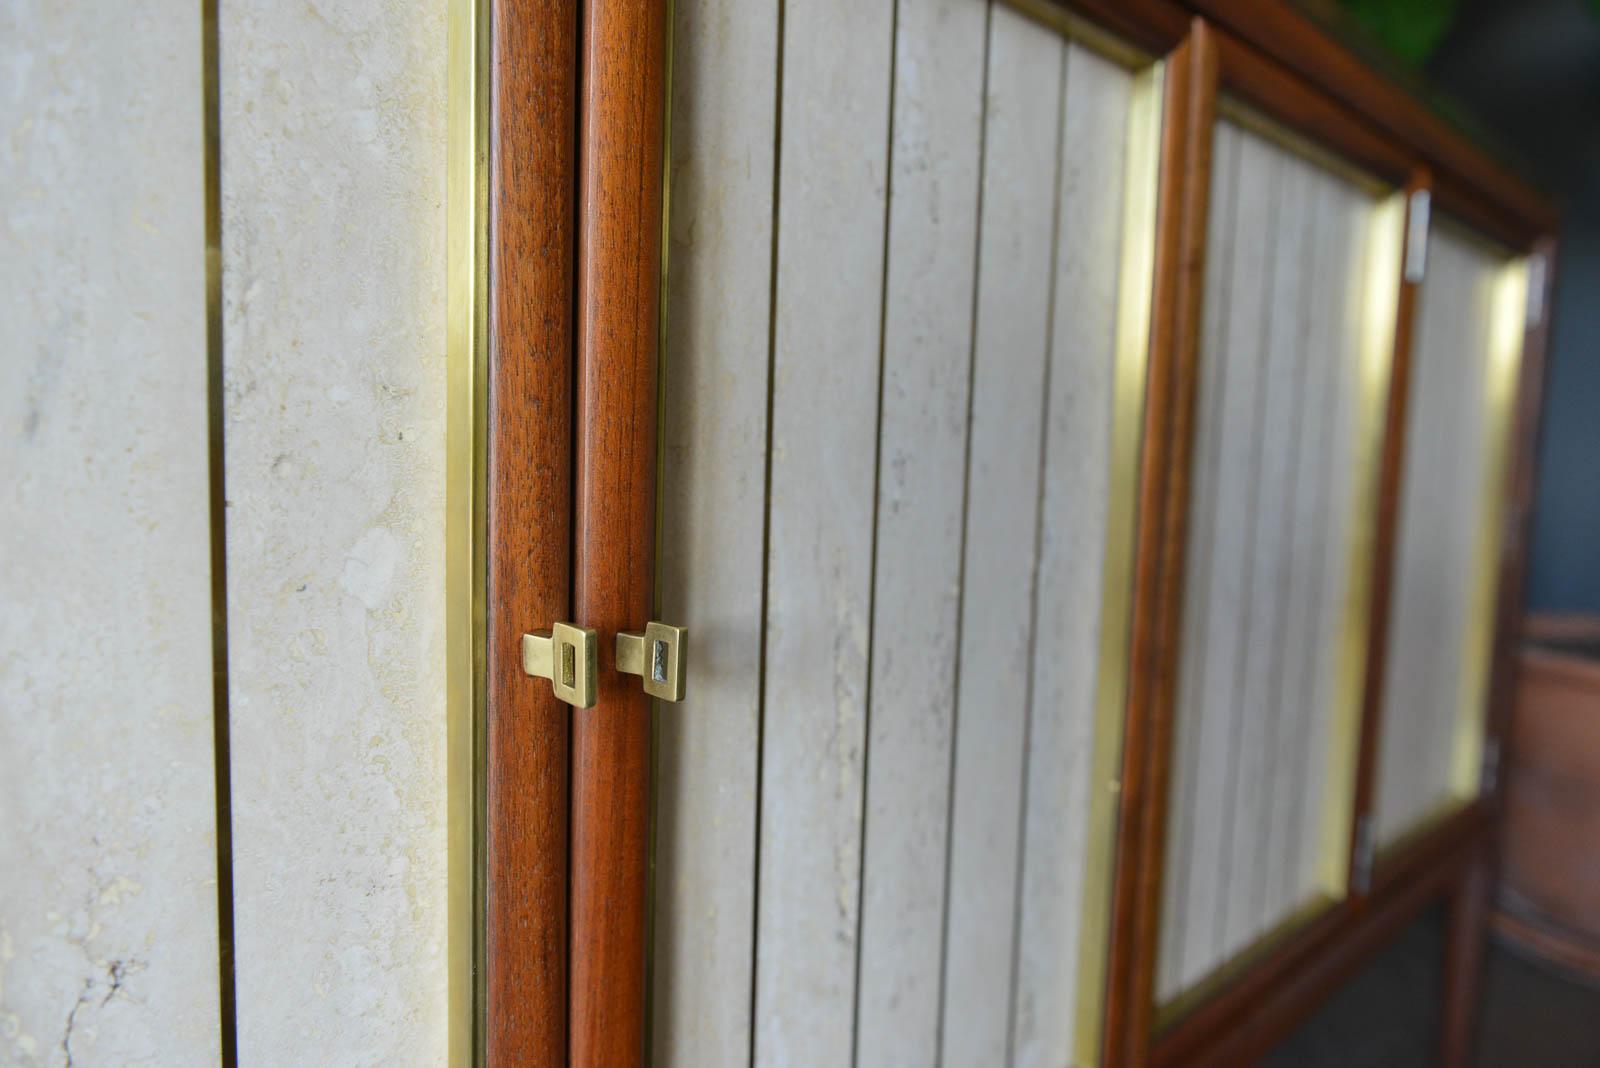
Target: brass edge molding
1379, 324
1501, 374
466, 259
1135, 286
216, 418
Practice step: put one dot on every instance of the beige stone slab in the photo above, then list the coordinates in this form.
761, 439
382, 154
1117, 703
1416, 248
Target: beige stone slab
108, 914
713, 512
333, 173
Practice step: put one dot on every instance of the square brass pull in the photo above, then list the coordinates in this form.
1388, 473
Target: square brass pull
565, 655
656, 656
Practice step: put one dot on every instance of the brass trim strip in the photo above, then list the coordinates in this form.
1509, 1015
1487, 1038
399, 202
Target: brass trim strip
466, 530
1134, 292
211, 75
1380, 313
1508, 317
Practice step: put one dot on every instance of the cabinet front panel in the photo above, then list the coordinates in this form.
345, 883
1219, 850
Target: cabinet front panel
901, 304
1302, 263
1464, 373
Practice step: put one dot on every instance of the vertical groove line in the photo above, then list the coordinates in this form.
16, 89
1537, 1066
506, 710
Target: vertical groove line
1033, 578
575, 319
961, 563
872, 552
1262, 891
1305, 729
1206, 512
222, 753
766, 528
653, 824
1239, 714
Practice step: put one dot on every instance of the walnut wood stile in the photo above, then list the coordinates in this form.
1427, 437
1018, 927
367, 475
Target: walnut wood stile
619, 282
1469, 907
532, 140
1284, 65
1463, 960
1391, 466
1171, 388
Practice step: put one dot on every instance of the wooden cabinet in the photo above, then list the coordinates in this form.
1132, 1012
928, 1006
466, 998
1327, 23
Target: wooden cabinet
1088, 445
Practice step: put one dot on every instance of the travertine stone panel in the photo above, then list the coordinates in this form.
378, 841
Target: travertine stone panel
1463, 369
108, 921
714, 435
832, 194
333, 170
1277, 498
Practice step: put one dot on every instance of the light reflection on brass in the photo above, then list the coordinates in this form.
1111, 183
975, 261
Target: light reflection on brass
1501, 373
1116, 602
466, 248
1379, 321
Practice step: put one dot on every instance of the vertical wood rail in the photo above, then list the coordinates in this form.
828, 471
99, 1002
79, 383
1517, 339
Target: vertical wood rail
1463, 960
1469, 907
621, 130
1193, 74
531, 199
1384, 538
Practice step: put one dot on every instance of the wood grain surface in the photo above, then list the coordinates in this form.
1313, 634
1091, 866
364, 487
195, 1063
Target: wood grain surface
619, 282
1171, 390
533, 82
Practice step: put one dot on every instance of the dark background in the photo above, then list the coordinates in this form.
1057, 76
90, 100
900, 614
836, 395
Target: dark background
1529, 71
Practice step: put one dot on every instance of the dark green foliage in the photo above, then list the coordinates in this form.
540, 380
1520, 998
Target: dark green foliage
1411, 29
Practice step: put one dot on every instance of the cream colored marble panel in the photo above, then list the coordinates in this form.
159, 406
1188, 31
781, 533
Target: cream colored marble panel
1011, 351
108, 918
1073, 512
927, 358
832, 195
333, 171
1279, 472
714, 435
1433, 693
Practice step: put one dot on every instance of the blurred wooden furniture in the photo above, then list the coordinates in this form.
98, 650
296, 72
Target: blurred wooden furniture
1548, 900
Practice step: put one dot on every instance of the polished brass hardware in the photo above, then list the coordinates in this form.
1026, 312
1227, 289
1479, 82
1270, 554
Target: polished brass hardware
1417, 235
565, 655
657, 656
